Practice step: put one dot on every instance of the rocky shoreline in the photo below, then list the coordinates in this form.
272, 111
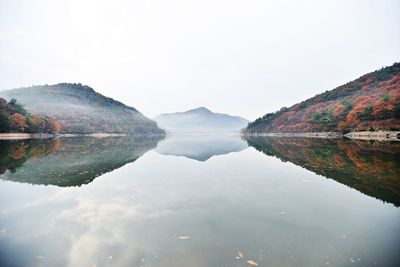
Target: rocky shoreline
20, 136
380, 135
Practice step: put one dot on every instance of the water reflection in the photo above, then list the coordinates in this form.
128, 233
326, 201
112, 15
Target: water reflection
277, 214
68, 161
200, 147
372, 168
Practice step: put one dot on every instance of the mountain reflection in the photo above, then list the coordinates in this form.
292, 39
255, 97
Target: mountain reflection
200, 147
372, 168
68, 161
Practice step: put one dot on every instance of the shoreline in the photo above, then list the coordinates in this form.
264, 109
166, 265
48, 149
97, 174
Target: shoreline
308, 135
365, 135
24, 136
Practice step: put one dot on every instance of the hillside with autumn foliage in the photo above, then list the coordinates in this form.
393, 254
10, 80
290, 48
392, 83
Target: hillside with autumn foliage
371, 102
81, 110
14, 118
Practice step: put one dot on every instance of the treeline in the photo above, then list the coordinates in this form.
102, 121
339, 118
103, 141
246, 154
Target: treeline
14, 118
81, 110
371, 102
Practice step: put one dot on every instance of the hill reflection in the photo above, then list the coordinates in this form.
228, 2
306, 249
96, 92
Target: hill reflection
200, 147
68, 161
372, 168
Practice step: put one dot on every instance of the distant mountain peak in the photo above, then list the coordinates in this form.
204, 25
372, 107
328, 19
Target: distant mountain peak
200, 120
200, 109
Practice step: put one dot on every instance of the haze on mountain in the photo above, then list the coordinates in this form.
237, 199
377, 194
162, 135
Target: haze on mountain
80, 109
371, 102
167, 56
202, 147
200, 120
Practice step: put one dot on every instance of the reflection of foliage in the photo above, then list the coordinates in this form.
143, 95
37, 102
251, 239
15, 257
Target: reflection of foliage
372, 100
69, 161
13, 154
372, 168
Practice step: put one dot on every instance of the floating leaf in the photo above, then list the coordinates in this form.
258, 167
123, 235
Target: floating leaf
241, 255
183, 237
253, 263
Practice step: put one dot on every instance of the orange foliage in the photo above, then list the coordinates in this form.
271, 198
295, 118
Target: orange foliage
339, 109
379, 106
19, 152
361, 103
54, 126
19, 123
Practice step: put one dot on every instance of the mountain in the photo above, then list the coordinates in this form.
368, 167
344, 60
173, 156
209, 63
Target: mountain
371, 102
201, 147
79, 109
200, 120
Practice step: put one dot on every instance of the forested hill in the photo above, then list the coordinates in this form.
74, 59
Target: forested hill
371, 102
14, 118
79, 109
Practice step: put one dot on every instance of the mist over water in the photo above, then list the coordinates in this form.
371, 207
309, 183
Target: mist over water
186, 201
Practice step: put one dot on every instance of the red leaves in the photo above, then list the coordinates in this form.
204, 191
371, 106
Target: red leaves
19, 122
54, 126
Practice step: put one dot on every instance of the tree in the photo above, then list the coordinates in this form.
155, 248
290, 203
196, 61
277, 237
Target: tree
54, 126
17, 107
19, 123
5, 122
366, 114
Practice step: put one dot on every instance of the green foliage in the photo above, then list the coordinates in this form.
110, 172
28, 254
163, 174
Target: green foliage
366, 114
15, 118
346, 110
341, 160
385, 97
396, 111
17, 107
385, 74
73, 161
348, 104
5, 122
267, 117
82, 110
324, 117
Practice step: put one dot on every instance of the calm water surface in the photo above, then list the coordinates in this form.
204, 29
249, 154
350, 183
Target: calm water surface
198, 201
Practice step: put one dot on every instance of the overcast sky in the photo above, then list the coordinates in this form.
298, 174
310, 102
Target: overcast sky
244, 58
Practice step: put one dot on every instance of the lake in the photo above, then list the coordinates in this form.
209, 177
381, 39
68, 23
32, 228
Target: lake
199, 201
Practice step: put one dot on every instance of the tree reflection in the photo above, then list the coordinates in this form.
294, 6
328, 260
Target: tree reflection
372, 168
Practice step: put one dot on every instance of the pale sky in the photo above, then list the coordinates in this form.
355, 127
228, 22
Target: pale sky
244, 58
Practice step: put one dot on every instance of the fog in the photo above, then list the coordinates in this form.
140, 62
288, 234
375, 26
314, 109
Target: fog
236, 57
80, 110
